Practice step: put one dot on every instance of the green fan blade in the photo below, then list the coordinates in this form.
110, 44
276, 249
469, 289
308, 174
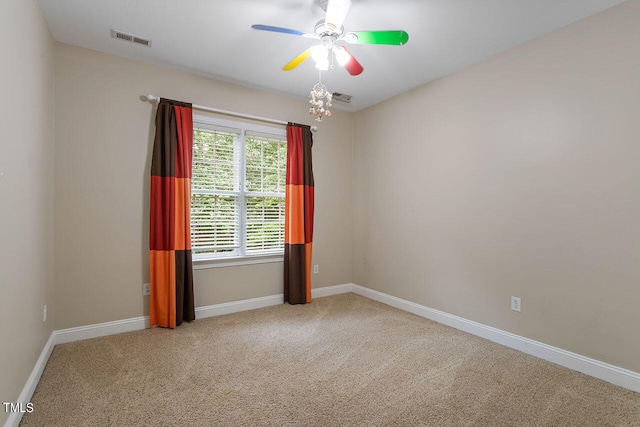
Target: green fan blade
377, 37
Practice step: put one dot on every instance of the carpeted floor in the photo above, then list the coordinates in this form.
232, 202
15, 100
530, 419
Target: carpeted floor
342, 360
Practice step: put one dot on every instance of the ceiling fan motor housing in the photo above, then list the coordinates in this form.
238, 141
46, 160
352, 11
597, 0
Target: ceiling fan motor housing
328, 33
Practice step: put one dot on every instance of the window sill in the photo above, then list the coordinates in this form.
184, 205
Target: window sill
199, 264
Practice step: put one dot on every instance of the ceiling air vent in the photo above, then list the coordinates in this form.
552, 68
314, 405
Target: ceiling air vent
130, 38
341, 97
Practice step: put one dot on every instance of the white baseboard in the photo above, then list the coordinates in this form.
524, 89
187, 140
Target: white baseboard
63, 336
604, 371
137, 323
27, 391
236, 306
332, 290
595, 368
253, 303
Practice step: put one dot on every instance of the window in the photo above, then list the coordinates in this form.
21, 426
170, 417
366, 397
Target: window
238, 191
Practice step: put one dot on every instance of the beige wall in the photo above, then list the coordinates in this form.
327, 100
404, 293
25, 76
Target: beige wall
26, 192
104, 134
517, 176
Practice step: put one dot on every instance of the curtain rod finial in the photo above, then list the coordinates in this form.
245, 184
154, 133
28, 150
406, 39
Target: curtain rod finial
152, 98
314, 128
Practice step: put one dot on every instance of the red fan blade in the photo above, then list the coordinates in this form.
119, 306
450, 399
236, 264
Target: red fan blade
347, 60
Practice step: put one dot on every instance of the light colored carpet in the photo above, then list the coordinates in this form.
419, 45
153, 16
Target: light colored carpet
342, 360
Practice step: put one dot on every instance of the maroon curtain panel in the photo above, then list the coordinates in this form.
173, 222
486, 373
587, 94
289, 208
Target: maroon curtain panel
298, 223
171, 272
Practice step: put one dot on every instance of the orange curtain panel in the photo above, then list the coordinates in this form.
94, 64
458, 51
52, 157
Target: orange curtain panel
298, 222
171, 275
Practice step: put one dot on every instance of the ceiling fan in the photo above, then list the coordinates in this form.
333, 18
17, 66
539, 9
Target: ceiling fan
330, 32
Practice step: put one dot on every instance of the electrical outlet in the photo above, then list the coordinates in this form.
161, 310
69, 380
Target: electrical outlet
146, 289
516, 304
44, 313
316, 269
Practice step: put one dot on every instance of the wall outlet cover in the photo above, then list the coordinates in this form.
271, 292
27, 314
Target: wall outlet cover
516, 304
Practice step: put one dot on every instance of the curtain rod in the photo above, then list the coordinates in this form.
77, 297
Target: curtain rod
156, 99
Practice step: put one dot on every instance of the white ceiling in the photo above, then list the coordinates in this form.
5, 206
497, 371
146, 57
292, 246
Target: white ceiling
214, 37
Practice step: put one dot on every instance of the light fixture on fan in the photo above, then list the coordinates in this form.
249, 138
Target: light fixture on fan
320, 55
320, 100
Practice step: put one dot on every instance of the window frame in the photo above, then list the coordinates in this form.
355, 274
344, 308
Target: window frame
202, 261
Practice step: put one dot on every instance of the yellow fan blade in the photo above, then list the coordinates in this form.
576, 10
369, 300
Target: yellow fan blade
297, 60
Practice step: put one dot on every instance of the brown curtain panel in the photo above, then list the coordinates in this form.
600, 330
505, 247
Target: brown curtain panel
171, 278
298, 223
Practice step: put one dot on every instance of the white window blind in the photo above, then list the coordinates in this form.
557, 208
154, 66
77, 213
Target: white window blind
265, 166
238, 190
